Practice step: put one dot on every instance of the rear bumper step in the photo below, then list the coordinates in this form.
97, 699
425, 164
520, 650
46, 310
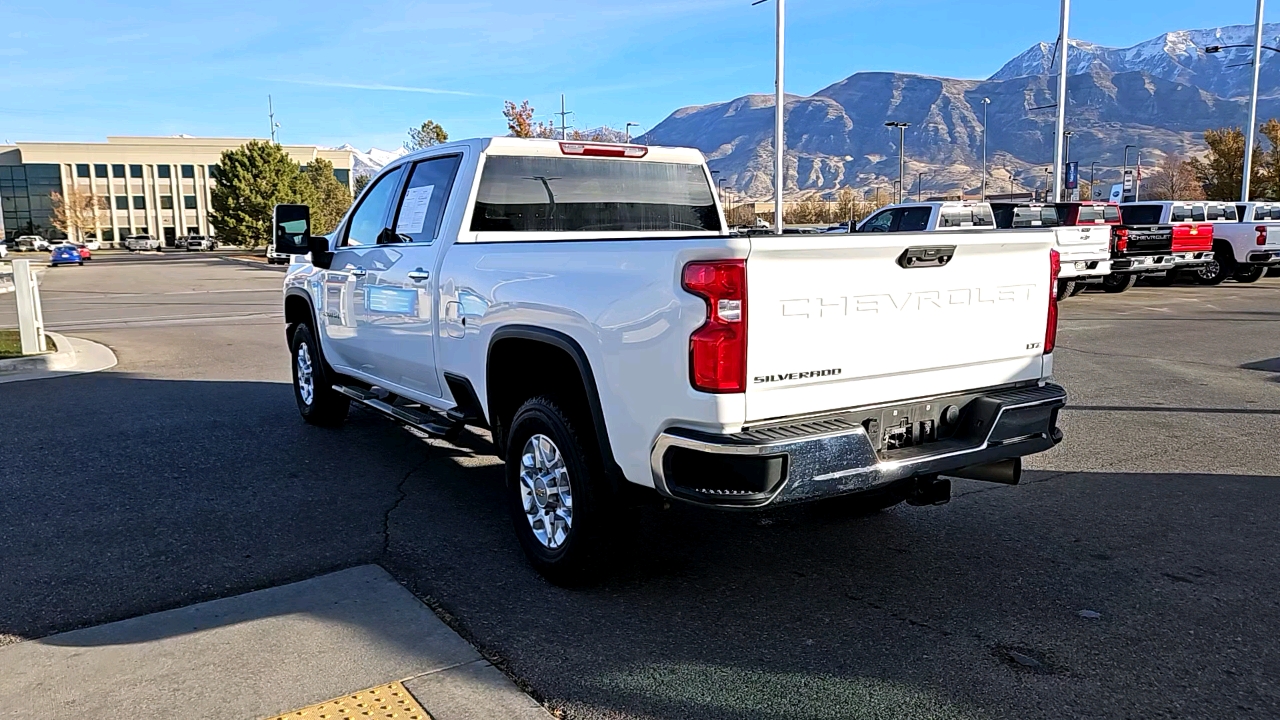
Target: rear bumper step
837, 455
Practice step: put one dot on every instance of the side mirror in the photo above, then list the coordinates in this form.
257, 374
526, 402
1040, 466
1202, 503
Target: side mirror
291, 229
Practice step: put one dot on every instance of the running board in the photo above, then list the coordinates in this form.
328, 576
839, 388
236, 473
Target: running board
419, 417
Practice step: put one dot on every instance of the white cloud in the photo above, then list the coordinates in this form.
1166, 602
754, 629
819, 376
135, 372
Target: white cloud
373, 86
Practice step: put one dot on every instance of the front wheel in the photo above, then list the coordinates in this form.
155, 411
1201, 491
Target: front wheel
318, 403
556, 492
1119, 282
1251, 274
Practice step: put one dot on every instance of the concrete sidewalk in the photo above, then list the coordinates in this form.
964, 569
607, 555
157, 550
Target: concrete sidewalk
72, 356
262, 654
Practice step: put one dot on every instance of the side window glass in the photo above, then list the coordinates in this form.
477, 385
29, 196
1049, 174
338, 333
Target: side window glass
422, 207
879, 223
1197, 213
1229, 212
368, 221
914, 219
1179, 213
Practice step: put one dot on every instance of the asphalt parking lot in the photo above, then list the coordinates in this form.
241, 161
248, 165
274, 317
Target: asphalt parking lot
1132, 574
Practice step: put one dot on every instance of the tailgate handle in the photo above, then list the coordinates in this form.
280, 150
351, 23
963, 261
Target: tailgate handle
932, 256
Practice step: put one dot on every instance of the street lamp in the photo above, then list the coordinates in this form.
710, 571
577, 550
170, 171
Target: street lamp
627, 130
1253, 100
1066, 154
1048, 183
902, 130
1063, 46
1093, 171
779, 101
986, 101
919, 186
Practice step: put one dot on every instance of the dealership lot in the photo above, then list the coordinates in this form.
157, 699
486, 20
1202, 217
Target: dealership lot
1132, 574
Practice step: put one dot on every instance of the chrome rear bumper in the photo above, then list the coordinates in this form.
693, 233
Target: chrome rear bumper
834, 455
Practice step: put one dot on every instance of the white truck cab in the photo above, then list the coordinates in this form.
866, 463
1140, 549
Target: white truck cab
586, 303
1246, 236
943, 216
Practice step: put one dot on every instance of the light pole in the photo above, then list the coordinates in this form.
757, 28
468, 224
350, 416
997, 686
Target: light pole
779, 101
897, 190
1258, 47
1093, 171
986, 102
1137, 180
1066, 154
1063, 44
1049, 184
919, 186
627, 130
902, 136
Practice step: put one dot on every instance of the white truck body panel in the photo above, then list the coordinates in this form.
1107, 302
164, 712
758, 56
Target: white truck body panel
896, 334
1085, 250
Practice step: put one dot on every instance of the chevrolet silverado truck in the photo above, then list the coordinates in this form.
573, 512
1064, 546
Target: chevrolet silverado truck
1084, 247
1244, 235
942, 216
586, 304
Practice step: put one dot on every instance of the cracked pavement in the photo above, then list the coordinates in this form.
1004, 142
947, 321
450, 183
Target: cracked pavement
1131, 574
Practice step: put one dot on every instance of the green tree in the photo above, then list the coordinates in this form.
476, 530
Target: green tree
251, 180
328, 198
430, 133
520, 121
1220, 170
362, 181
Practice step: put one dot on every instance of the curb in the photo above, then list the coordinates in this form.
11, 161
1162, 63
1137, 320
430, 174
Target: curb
74, 356
253, 263
62, 358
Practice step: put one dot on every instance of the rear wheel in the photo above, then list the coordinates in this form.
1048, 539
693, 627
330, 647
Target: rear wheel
1066, 288
1222, 267
1079, 288
1119, 282
557, 494
318, 403
1251, 274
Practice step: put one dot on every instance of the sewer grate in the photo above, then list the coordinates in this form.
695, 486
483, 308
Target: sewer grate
384, 701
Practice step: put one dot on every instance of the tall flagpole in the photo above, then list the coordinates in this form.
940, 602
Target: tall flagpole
1062, 101
779, 139
1253, 107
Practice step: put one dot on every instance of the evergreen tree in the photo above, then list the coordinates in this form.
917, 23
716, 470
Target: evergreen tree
328, 198
251, 181
430, 133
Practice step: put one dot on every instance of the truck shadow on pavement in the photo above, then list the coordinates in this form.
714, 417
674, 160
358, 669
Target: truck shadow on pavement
125, 496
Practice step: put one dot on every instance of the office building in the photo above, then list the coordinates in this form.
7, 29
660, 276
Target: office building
158, 186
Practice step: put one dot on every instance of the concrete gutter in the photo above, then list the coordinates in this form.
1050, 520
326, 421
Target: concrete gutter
72, 356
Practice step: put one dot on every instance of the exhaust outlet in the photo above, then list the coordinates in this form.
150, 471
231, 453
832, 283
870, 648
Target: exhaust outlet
1005, 472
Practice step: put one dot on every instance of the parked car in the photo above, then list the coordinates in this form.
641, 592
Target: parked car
34, 243
1245, 236
85, 254
277, 258
65, 254
199, 242
1084, 247
598, 324
134, 243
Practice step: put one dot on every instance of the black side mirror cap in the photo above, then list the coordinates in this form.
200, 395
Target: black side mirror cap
321, 255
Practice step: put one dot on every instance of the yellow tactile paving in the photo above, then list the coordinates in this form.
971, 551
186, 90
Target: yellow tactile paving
384, 701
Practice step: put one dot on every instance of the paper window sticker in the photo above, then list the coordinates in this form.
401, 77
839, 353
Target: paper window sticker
413, 213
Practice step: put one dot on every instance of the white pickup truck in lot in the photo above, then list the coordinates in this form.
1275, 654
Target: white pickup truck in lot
1246, 236
1084, 250
585, 303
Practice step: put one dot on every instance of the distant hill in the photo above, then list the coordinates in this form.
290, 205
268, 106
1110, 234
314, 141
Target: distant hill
1159, 95
369, 163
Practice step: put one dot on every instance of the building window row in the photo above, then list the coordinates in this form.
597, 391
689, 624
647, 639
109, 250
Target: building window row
135, 171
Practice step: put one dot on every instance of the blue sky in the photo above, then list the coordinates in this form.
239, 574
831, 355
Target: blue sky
364, 72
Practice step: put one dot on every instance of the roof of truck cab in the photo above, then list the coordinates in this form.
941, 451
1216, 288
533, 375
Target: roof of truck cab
540, 147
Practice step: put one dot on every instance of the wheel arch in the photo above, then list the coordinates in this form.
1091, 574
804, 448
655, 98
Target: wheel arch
560, 360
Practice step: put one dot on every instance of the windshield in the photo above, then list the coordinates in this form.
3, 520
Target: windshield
549, 194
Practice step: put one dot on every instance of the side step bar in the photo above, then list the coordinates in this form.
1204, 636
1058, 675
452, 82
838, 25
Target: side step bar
429, 421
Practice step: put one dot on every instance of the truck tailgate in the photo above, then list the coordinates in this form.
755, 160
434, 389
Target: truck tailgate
839, 321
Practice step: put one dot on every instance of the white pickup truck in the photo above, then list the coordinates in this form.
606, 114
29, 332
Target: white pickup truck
586, 304
1246, 236
1084, 251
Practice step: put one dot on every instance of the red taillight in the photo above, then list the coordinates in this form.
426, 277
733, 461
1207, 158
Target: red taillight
1121, 237
1262, 234
1051, 327
718, 349
597, 150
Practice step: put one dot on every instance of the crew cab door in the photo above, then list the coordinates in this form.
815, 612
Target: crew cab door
344, 312
401, 330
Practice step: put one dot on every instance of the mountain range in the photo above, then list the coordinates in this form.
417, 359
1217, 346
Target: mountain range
1159, 95
368, 163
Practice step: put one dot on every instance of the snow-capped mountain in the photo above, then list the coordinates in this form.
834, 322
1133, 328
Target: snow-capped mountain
1161, 95
1175, 56
368, 163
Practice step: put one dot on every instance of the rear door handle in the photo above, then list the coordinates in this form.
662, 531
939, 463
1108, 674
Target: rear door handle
359, 272
419, 275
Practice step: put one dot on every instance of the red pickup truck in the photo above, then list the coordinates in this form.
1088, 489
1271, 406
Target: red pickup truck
1137, 249
1192, 241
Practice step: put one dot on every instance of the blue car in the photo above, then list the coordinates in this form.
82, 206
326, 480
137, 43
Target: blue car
64, 255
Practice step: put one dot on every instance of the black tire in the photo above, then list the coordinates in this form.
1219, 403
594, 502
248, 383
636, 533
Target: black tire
1118, 282
1222, 267
1273, 272
1079, 288
1066, 288
325, 407
1251, 274
576, 557
81, 263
